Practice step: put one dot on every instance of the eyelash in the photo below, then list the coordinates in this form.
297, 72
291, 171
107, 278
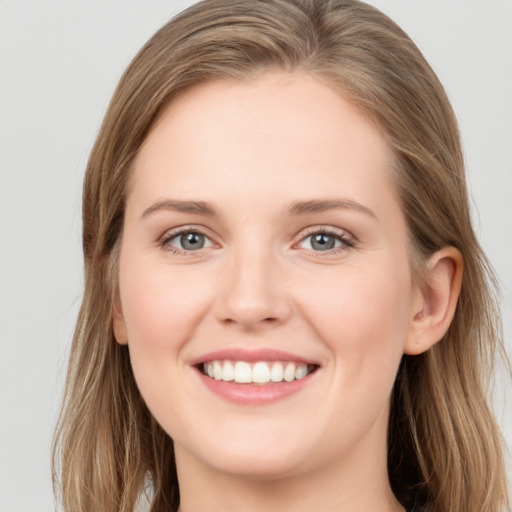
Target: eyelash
347, 240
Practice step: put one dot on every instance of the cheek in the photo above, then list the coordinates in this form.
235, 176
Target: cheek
363, 318
162, 309
161, 306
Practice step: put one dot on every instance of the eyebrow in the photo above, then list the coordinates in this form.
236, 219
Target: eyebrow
194, 207
296, 208
322, 205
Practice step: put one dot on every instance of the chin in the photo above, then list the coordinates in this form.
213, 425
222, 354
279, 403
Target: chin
263, 455
258, 466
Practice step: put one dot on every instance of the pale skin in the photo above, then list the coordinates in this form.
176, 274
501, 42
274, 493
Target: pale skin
258, 170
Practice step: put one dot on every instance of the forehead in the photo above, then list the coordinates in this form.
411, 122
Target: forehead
288, 131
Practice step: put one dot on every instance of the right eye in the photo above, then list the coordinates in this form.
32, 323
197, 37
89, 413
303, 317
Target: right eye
185, 241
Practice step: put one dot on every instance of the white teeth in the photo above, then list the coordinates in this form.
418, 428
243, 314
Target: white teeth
217, 370
276, 373
301, 371
260, 372
228, 372
289, 372
243, 372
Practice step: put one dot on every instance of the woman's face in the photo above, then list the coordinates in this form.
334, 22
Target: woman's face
265, 289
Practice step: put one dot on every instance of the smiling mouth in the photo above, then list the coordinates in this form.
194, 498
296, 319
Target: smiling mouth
258, 372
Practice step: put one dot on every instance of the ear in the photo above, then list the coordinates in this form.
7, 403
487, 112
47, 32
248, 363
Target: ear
118, 323
435, 301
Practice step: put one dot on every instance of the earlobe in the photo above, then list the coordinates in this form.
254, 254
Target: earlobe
118, 324
437, 300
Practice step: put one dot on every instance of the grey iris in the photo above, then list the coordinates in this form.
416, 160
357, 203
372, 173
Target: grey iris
192, 241
322, 242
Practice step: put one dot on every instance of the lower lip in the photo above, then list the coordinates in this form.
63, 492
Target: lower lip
254, 394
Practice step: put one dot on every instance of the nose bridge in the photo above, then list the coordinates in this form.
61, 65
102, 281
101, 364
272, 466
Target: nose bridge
253, 293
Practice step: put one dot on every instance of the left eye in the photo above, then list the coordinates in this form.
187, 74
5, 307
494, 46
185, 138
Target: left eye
322, 242
188, 241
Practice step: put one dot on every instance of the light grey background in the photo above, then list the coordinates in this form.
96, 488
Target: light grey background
59, 64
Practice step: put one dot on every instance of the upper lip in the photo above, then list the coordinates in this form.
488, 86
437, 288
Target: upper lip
250, 355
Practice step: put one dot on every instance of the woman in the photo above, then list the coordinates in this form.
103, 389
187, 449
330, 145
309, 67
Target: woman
285, 303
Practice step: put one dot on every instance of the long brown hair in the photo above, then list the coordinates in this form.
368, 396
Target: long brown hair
445, 449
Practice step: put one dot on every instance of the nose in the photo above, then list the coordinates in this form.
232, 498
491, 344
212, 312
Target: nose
253, 293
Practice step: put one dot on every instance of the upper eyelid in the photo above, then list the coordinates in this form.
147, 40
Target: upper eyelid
331, 230
192, 228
